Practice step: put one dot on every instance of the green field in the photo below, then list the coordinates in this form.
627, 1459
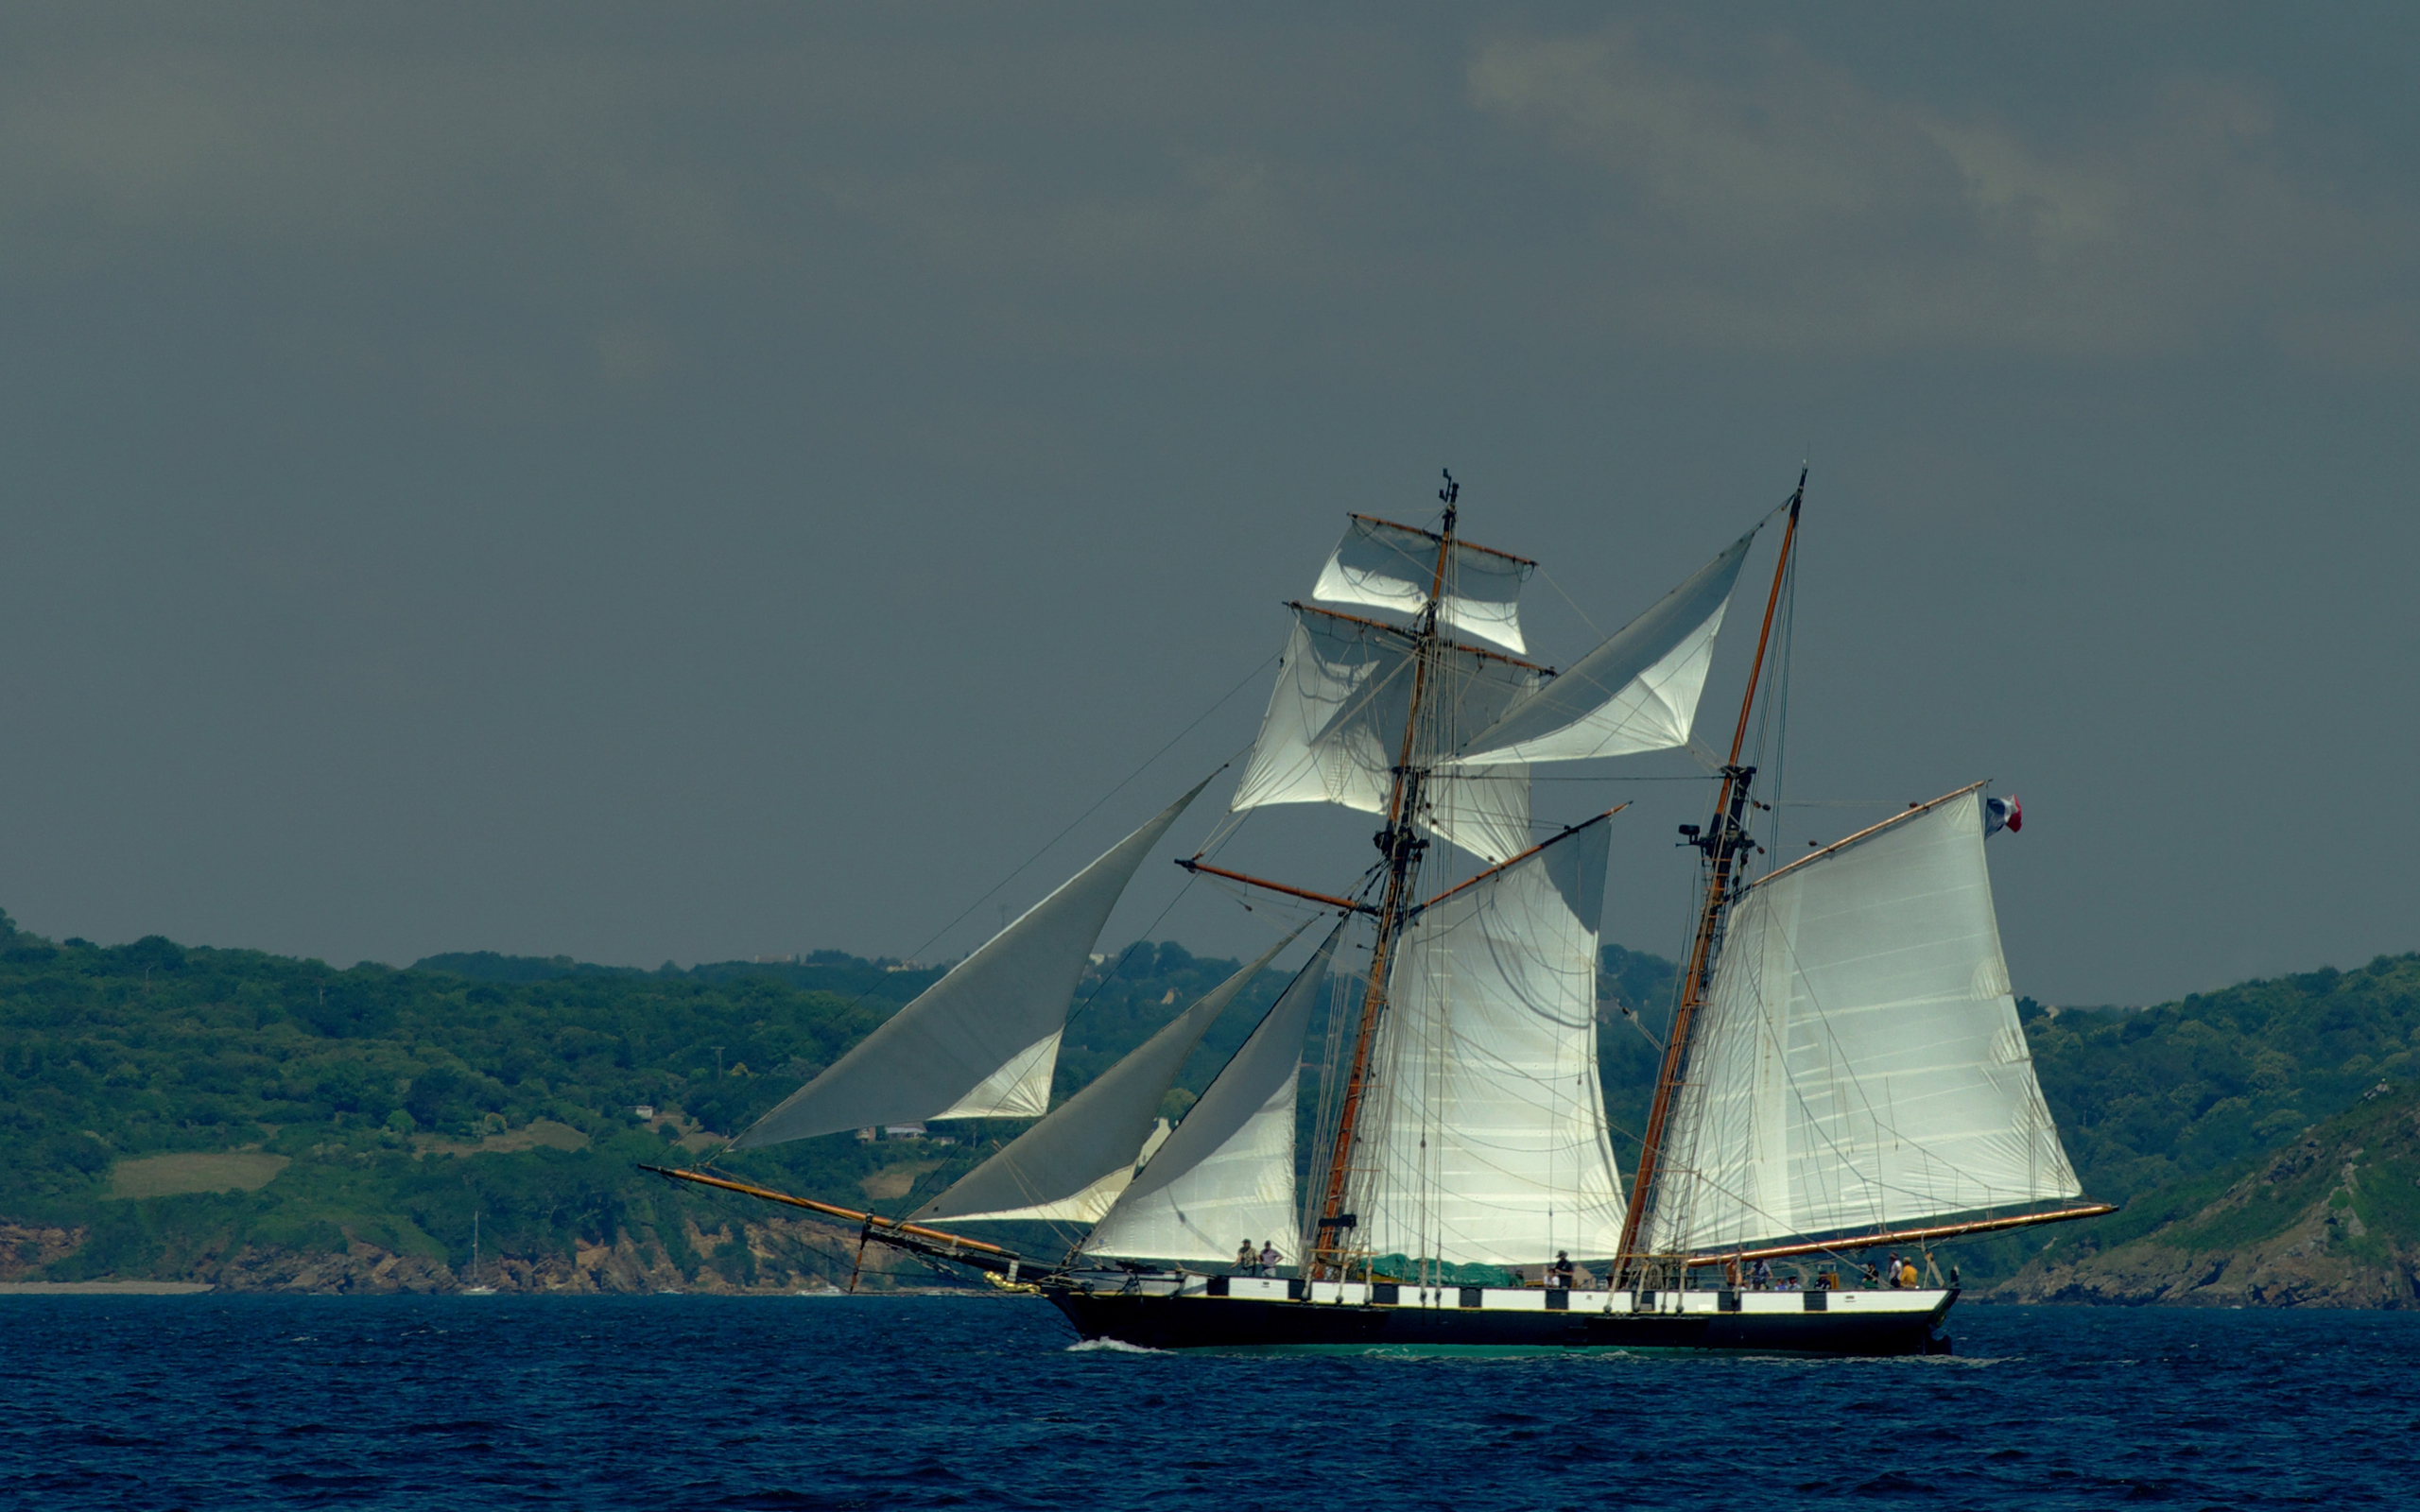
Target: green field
170, 1176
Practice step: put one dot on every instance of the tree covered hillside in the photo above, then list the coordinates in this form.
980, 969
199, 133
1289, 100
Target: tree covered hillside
171, 1113
374, 1107
2147, 1097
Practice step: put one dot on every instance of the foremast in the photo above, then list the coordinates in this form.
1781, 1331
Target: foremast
1724, 841
1404, 851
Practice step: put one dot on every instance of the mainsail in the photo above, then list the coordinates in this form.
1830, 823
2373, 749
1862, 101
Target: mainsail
1070, 1166
1490, 1144
982, 1042
1859, 1064
1228, 1171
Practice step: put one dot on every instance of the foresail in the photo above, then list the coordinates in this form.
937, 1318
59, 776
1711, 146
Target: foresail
1391, 567
1087, 1143
982, 1042
1227, 1173
1859, 1063
1487, 1139
1334, 730
1637, 692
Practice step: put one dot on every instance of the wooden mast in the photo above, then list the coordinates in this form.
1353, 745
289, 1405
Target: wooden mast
1403, 850
1722, 841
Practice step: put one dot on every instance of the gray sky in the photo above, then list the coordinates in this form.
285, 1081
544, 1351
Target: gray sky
689, 482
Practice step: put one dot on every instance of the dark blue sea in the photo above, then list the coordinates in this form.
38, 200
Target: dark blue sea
215, 1401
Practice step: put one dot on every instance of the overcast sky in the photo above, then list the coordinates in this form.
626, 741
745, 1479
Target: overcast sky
651, 482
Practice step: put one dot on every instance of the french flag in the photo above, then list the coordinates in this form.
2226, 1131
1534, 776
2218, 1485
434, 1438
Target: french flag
2002, 814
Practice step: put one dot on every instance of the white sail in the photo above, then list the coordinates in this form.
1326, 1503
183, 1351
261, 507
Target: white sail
1335, 726
982, 1042
1486, 811
1637, 692
1089, 1204
1858, 1062
1227, 1173
1485, 1141
1086, 1147
1391, 567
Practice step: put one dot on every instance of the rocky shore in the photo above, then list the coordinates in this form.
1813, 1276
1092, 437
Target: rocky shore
776, 1257
2332, 1221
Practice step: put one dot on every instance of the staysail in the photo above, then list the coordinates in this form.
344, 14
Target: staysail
1391, 566
982, 1042
1859, 1063
1070, 1166
1228, 1171
1489, 1144
1637, 692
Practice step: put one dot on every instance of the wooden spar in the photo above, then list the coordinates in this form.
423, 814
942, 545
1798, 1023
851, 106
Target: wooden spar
1300, 608
1720, 848
1415, 530
1402, 855
1525, 855
1907, 812
1903, 1236
1195, 864
876, 1225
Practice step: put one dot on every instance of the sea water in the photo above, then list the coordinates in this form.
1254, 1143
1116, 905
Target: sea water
219, 1401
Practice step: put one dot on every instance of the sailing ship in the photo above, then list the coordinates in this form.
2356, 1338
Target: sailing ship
1844, 1069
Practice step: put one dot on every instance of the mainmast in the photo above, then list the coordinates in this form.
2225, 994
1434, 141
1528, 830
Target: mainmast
1400, 843
1722, 841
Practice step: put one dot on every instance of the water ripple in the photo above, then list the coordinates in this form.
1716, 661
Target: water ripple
215, 1402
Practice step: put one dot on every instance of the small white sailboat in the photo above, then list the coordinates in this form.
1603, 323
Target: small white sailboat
476, 1288
1845, 1068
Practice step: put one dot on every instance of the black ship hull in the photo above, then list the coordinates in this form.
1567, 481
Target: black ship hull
1759, 1323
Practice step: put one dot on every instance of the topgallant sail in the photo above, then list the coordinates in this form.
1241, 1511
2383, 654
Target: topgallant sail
1844, 1069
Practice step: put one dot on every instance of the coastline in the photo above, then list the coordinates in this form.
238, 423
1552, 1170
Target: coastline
105, 1288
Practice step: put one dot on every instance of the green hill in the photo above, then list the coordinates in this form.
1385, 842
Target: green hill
168, 1112
193, 1114
2332, 1220
2149, 1097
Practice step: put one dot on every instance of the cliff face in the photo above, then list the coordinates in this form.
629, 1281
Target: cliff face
2332, 1221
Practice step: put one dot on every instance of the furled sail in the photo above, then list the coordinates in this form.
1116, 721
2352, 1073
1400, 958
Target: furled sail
1858, 1062
1228, 1171
1335, 726
1391, 567
982, 1042
1637, 692
1071, 1165
1487, 1143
